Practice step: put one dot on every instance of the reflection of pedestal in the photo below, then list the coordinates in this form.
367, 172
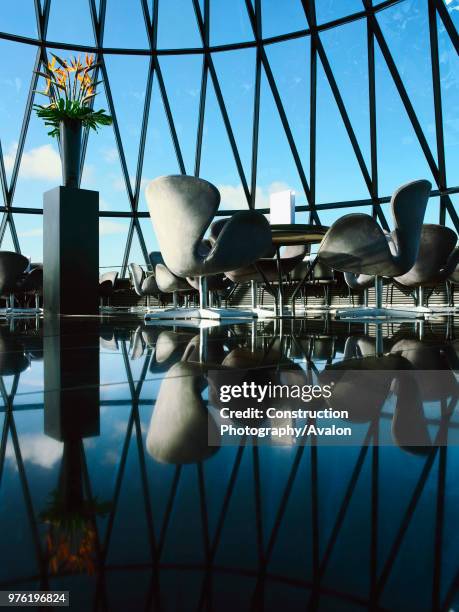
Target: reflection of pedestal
71, 364
71, 251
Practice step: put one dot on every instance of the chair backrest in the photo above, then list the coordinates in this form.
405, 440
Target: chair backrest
181, 209
108, 277
155, 258
409, 204
138, 276
322, 271
436, 245
12, 265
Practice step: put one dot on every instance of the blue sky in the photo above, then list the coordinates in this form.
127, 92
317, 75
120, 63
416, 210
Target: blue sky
338, 176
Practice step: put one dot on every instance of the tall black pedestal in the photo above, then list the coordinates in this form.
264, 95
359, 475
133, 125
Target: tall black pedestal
71, 251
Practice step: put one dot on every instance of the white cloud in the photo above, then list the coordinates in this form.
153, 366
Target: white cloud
40, 163
38, 449
36, 231
110, 154
108, 227
233, 197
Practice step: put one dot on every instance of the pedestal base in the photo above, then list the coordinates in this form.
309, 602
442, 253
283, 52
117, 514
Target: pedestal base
71, 251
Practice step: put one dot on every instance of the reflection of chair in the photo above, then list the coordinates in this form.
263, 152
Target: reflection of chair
361, 386
12, 356
436, 260
355, 243
180, 423
181, 209
145, 286
12, 267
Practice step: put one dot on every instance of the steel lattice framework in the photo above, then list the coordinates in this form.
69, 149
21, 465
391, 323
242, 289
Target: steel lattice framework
435, 159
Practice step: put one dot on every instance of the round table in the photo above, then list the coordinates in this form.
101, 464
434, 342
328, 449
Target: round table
288, 235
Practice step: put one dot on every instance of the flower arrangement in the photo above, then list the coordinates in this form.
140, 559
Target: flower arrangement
70, 87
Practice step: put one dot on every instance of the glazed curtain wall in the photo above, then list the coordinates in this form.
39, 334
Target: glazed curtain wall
340, 100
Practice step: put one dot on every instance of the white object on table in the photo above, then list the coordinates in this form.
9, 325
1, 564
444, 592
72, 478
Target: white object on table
282, 207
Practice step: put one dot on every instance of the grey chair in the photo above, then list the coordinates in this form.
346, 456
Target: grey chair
358, 283
453, 278
265, 270
181, 209
32, 284
436, 260
145, 286
356, 243
107, 282
13, 266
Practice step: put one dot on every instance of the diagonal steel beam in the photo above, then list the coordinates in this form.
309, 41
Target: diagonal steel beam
211, 68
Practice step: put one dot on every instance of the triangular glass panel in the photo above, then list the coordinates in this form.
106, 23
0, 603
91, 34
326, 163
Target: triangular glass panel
40, 167
125, 25
277, 466
329, 10
160, 158
184, 539
130, 538
238, 540
277, 170
112, 242
400, 157
149, 235
432, 214
29, 229
18, 553
15, 79
338, 173
406, 30
103, 454
102, 168
136, 253
236, 76
290, 65
292, 552
453, 10
449, 222
449, 82
177, 25
333, 487
229, 22
416, 543
7, 243
218, 472
75, 28
128, 77
221, 169
41, 455
346, 49
182, 79
18, 18
276, 22
352, 546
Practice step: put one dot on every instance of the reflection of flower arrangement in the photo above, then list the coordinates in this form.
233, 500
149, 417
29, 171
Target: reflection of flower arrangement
70, 88
71, 539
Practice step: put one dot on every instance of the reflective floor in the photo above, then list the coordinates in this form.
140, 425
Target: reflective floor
108, 487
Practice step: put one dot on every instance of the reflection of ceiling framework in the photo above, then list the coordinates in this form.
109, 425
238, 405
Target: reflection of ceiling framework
246, 466
248, 178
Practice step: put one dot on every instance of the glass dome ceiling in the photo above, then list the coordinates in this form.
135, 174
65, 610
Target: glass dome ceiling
339, 100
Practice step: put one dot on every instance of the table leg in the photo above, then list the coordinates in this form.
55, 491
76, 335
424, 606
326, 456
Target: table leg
280, 288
